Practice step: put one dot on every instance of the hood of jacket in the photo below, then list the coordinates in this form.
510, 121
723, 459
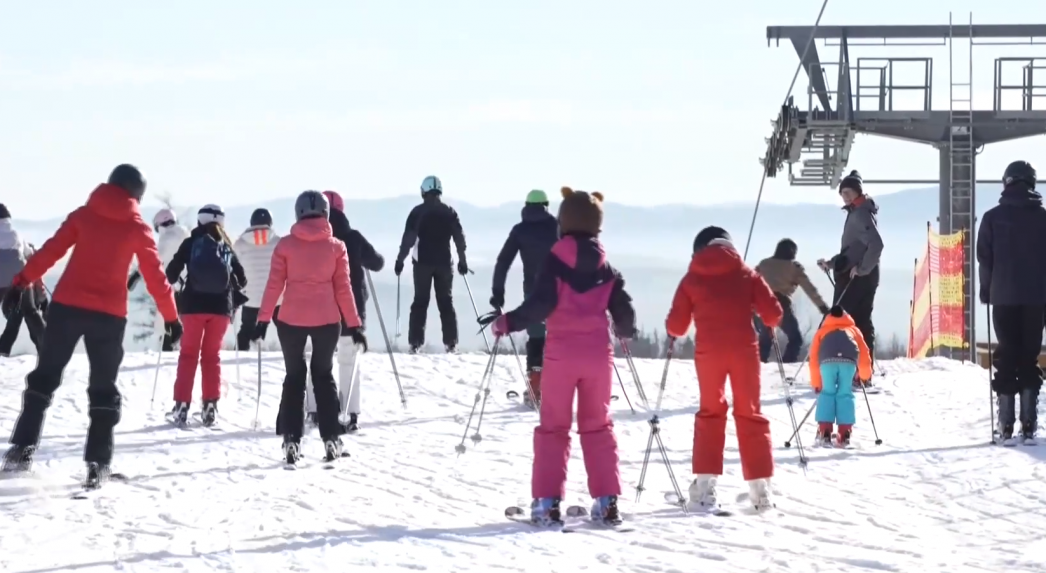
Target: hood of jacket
837, 322
249, 232
1020, 194
340, 227
862, 202
113, 202
313, 229
536, 214
715, 260
581, 252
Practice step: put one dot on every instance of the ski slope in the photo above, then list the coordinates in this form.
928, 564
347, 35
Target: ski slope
933, 497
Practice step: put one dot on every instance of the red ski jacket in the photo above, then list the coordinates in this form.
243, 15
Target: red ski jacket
108, 232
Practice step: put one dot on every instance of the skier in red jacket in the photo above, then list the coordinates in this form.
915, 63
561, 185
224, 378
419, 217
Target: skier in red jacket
89, 302
720, 295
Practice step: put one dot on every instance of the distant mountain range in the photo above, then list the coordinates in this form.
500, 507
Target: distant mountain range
650, 245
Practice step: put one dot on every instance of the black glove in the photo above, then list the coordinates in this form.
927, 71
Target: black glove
132, 280
358, 338
985, 297
498, 300
463, 267
398, 268
824, 309
259, 331
488, 318
174, 330
12, 303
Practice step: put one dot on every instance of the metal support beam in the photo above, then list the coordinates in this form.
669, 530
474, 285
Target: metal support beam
814, 70
845, 97
905, 32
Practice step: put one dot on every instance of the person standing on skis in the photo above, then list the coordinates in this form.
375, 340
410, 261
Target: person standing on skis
310, 268
784, 274
1012, 270
719, 295
361, 256
14, 252
532, 238
213, 290
89, 302
838, 354
254, 249
575, 289
430, 228
856, 268
169, 238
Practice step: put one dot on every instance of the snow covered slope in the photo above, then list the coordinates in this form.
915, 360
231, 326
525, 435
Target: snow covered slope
933, 497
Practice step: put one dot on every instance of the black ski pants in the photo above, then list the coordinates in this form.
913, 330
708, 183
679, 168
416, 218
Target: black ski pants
291, 419
857, 297
248, 320
1016, 357
103, 340
790, 326
427, 278
29, 311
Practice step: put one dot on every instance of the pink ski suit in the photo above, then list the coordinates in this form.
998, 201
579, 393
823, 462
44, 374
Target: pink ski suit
573, 292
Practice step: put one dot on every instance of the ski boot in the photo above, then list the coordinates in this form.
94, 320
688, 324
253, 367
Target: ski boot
333, 449
759, 494
703, 494
209, 414
604, 510
414, 349
545, 511
291, 450
843, 439
534, 377
179, 415
18, 459
1029, 416
97, 474
353, 425
823, 439
451, 348
1007, 418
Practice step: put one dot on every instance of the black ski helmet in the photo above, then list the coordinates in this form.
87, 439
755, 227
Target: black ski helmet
130, 179
1019, 171
261, 218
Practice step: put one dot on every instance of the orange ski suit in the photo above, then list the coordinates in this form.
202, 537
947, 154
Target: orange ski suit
719, 295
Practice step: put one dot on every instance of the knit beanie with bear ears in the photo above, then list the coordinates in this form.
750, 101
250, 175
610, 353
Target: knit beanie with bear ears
580, 212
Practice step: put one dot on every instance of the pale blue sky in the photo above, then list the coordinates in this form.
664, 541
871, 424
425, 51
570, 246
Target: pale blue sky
232, 101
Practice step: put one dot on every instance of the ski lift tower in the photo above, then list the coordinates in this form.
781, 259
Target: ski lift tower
852, 99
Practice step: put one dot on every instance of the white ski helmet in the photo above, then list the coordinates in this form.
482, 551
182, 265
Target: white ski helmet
164, 217
210, 214
431, 184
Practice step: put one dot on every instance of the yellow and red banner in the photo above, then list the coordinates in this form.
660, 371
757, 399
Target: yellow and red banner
937, 296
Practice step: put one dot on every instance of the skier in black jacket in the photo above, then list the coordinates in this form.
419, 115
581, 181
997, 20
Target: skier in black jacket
1012, 268
361, 256
532, 238
429, 230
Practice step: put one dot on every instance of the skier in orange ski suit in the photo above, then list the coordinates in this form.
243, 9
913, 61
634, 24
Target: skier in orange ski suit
719, 294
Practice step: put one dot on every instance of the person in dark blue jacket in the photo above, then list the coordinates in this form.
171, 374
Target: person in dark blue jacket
1012, 269
532, 238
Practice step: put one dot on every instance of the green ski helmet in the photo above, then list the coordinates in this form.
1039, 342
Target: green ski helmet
537, 196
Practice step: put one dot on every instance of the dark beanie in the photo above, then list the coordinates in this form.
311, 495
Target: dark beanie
4, 213
709, 234
836, 311
853, 181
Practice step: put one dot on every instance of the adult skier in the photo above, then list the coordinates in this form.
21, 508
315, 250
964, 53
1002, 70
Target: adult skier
856, 268
430, 228
1012, 269
532, 239
169, 237
14, 252
784, 275
89, 302
254, 249
361, 256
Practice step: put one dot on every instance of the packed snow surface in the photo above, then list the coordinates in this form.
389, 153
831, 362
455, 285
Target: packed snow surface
933, 497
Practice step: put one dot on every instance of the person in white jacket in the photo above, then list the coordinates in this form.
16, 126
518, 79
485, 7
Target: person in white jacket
254, 250
14, 252
169, 236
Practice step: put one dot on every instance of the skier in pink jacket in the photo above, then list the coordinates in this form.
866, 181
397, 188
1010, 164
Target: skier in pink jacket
573, 292
310, 268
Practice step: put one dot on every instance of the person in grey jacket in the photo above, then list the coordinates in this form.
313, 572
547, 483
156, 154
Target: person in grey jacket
1011, 263
856, 268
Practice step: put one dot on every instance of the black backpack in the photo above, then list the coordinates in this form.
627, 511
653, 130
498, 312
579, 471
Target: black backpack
210, 266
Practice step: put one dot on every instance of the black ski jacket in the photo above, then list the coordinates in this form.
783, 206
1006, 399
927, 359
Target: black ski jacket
533, 238
432, 226
1010, 255
361, 256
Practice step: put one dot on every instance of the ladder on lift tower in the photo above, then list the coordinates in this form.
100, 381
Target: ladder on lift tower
961, 172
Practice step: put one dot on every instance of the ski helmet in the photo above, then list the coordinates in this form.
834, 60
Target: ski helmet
210, 213
431, 184
537, 196
163, 218
1019, 171
130, 179
337, 203
311, 204
261, 218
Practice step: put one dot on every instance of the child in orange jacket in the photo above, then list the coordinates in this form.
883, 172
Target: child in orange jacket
719, 294
837, 353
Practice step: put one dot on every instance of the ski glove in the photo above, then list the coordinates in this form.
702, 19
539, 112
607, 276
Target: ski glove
12, 303
174, 330
259, 330
358, 338
498, 300
132, 280
398, 268
499, 327
463, 267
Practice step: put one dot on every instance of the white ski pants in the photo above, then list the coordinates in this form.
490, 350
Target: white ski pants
347, 354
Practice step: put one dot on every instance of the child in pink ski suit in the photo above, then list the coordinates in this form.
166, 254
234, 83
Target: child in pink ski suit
573, 292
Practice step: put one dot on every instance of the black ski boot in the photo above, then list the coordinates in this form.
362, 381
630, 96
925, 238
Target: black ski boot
179, 415
97, 475
18, 459
452, 348
1029, 416
353, 426
1007, 419
209, 414
291, 450
414, 349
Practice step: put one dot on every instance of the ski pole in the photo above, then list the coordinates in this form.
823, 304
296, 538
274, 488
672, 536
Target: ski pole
385, 334
235, 313
635, 373
397, 303
482, 392
790, 402
156, 378
871, 418
788, 442
257, 397
655, 435
474, 307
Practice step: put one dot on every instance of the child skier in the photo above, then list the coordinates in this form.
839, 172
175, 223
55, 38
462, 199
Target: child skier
213, 284
310, 268
573, 292
837, 353
719, 294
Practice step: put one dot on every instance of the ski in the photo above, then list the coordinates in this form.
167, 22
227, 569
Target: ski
198, 418
575, 513
672, 499
513, 395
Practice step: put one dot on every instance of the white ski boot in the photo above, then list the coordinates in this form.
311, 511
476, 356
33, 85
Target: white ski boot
759, 494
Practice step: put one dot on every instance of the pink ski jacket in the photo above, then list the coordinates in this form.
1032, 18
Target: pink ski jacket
310, 268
